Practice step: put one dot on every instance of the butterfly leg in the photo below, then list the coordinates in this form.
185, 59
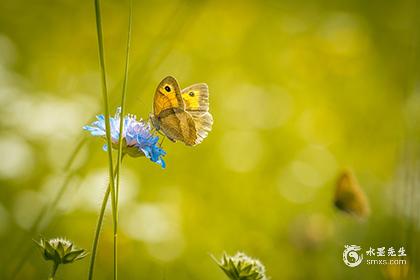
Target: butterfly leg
161, 142
154, 131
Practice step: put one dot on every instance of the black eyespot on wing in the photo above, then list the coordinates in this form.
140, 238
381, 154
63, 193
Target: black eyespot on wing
191, 94
168, 88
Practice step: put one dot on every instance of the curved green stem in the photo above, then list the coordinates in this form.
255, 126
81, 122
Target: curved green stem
99, 227
107, 126
120, 137
124, 97
53, 271
47, 208
97, 233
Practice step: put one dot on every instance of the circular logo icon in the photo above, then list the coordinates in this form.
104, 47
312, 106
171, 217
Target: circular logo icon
351, 255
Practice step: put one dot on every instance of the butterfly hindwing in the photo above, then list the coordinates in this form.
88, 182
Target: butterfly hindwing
178, 126
196, 97
203, 123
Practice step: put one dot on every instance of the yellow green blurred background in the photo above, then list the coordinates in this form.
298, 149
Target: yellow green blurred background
299, 90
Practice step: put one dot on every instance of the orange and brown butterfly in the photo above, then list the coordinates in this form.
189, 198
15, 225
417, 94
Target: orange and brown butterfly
349, 196
182, 115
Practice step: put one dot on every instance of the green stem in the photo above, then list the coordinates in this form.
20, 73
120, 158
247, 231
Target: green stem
47, 208
97, 233
123, 98
107, 124
98, 228
53, 271
120, 138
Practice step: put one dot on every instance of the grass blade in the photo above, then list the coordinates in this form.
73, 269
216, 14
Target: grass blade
48, 208
107, 127
120, 142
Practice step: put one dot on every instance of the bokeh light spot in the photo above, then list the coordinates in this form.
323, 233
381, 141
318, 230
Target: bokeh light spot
242, 151
17, 157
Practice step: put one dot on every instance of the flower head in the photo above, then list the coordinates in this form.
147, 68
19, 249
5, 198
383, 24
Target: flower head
242, 267
60, 250
136, 136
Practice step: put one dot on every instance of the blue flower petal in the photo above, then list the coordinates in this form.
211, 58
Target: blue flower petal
161, 162
135, 133
147, 151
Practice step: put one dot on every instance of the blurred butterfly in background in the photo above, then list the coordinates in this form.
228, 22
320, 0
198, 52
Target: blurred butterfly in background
182, 115
349, 196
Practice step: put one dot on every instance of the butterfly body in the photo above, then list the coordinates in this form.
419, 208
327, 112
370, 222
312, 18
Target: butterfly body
182, 115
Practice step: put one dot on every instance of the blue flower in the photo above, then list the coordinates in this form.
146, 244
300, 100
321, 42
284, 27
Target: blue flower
136, 136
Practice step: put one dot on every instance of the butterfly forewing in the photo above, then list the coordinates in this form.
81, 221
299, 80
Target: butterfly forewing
167, 96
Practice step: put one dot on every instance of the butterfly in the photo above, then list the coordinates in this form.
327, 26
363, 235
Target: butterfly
349, 196
182, 115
